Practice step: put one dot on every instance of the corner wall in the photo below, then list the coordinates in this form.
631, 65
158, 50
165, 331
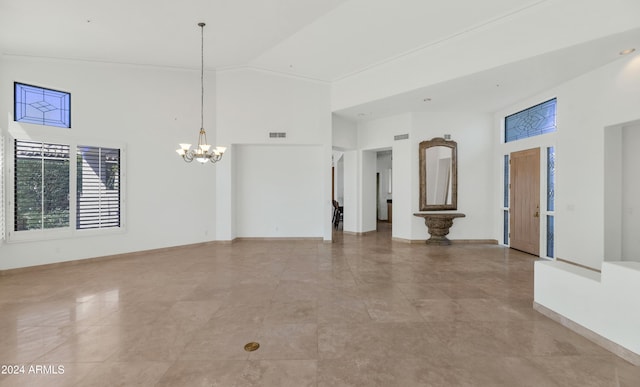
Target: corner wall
149, 111
587, 106
604, 303
252, 103
474, 134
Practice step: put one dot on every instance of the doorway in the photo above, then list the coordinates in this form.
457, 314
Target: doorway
524, 207
384, 203
337, 190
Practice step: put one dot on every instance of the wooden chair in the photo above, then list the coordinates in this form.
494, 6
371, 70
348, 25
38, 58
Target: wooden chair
337, 214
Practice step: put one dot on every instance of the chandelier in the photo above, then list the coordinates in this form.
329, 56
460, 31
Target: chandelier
203, 151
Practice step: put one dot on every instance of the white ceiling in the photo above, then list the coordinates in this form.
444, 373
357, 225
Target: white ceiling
154, 32
494, 89
327, 40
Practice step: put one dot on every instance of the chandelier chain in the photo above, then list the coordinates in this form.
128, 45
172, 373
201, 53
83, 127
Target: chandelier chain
201, 75
203, 151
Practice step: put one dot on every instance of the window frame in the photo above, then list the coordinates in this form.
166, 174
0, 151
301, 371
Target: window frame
64, 125
506, 117
44, 160
63, 232
506, 148
102, 195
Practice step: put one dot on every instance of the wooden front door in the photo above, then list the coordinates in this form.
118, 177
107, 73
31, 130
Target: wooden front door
525, 201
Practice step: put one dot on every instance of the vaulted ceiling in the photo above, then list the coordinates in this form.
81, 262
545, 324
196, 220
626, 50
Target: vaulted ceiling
325, 40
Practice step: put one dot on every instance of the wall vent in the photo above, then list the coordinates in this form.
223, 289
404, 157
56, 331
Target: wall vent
401, 137
277, 134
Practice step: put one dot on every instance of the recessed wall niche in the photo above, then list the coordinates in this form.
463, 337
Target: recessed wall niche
622, 192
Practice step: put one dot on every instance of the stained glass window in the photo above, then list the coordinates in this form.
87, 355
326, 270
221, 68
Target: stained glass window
550, 236
506, 181
534, 121
37, 105
551, 195
505, 230
551, 178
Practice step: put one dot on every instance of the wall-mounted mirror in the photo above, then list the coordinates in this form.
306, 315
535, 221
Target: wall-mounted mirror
438, 175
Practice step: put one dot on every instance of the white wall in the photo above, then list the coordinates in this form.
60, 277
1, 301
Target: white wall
351, 192
344, 133
279, 192
405, 187
252, 103
587, 105
622, 189
594, 101
605, 303
147, 110
630, 193
591, 204
613, 193
368, 191
473, 133
379, 134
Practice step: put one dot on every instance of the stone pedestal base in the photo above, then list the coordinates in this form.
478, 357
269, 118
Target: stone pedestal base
438, 225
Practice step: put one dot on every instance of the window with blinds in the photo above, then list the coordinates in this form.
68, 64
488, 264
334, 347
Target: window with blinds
41, 185
98, 187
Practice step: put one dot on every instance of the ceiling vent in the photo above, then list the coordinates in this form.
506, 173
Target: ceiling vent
277, 134
401, 137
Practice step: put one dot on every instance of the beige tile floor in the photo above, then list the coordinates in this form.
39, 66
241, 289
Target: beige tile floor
363, 311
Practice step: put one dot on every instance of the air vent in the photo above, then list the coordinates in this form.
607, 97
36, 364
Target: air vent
277, 134
401, 137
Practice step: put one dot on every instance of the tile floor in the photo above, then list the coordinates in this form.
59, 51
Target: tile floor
363, 311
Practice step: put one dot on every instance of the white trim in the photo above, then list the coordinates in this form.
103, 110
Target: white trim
70, 231
541, 142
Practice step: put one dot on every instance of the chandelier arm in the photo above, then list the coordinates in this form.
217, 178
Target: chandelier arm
188, 156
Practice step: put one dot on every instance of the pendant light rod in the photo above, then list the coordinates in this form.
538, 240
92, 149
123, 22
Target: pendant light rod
201, 24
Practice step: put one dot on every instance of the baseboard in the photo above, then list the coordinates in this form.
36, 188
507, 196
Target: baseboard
577, 264
316, 239
453, 241
403, 240
590, 335
474, 241
54, 265
359, 233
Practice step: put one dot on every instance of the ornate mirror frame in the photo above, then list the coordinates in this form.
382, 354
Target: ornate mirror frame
422, 151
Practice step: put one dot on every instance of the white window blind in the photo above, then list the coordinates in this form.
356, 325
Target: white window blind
41, 186
98, 187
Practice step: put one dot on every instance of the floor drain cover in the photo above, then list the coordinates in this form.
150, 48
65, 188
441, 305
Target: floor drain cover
252, 346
